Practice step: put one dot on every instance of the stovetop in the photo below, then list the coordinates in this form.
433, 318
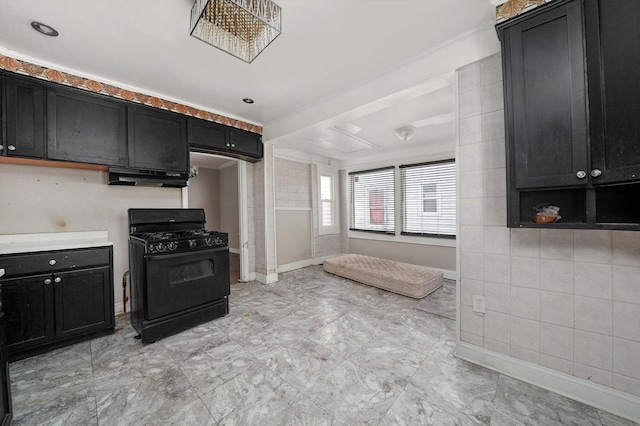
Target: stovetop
183, 240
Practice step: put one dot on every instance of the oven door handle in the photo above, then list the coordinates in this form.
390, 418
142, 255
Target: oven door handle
168, 256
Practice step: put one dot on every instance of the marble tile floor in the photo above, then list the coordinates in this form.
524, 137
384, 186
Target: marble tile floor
311, 349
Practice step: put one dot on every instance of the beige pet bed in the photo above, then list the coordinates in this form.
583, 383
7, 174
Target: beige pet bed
402, 278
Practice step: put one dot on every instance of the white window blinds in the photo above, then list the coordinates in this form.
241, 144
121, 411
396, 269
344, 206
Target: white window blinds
326, 200
372, 200
429, 198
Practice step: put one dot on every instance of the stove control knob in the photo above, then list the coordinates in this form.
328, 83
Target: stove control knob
208, 241
172, 245
219, 241
192, 243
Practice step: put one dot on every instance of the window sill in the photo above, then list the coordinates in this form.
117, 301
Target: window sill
427, 241
328, 231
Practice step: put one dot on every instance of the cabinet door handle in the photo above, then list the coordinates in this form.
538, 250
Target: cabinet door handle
57, 280
1, 147
228, 144
52, 262
596, 172
233, 145
581, 174
11, 148
47, 281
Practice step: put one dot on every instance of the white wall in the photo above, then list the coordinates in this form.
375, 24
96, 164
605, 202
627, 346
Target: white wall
228, 205
565, 300
204, 194
36, 199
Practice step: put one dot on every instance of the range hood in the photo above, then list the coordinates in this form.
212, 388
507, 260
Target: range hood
132, 177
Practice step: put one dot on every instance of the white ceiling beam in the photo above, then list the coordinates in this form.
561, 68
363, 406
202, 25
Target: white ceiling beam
423, 71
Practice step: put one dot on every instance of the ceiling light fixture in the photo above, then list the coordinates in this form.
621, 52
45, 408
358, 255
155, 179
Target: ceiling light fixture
242, 28
405, 133
44, 29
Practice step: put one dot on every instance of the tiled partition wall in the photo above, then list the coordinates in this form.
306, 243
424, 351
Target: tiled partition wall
296, 186
561, 299
293, 184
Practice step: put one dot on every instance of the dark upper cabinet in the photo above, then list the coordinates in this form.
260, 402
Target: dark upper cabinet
546, 100
246, 143
24, 112
572, 83
207, 135
157, 140
613, 59
212, 137
85, 128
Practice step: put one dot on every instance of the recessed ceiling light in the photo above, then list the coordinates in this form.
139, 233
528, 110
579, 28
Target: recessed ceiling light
44, 29
248, 100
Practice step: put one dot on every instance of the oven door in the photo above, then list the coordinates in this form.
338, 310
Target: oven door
180, 281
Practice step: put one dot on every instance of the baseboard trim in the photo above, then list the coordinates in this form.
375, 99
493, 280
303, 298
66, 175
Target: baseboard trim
450, 275
266, 279
593, 394
304, 263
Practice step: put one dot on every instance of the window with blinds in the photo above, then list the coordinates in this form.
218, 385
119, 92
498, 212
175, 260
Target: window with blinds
429, 198
372, 200
326, 200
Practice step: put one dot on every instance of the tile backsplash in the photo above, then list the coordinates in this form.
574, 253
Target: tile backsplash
563, 299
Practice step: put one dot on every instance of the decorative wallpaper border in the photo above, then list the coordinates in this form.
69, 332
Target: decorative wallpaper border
512, 8
26, 68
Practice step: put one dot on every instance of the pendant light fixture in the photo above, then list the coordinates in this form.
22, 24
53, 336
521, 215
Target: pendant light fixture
242, 28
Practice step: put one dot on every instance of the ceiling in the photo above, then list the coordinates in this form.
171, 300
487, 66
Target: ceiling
334, 83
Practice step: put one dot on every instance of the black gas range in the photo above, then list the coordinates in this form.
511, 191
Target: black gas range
179, 271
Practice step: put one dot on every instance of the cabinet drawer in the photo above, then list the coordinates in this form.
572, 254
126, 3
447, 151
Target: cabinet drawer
51, 261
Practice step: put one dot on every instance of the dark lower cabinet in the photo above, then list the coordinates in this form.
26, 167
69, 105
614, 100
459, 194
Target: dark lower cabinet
28, 304
60, 305
6, 410
24, 126
85, 128
89, 289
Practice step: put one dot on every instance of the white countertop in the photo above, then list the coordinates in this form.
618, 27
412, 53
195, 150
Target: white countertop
24, 243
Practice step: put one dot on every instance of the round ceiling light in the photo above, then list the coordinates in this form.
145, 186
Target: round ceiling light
248, 100
44, 29
405, 133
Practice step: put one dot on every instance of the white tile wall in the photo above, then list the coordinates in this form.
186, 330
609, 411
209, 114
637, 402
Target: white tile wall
593, 314
470, 288
556, 275
593, 349
556, 341
525, 272
293, 183
568, 300
525, 302
556, 308
593, 280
